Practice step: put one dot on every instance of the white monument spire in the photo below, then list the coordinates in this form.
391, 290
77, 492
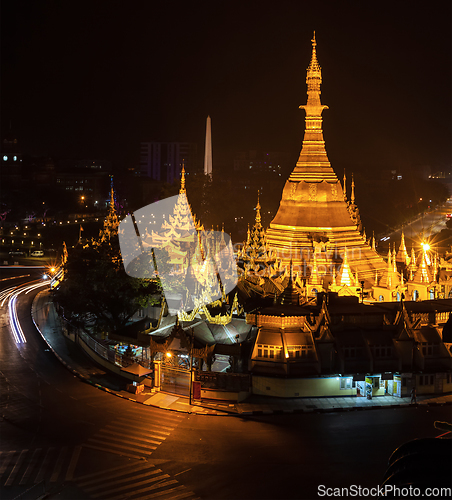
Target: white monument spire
208, 153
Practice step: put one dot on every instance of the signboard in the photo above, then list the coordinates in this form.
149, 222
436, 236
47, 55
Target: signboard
196, 390
369, 387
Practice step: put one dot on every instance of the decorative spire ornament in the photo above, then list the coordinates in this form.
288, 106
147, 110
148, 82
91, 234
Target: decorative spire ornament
345, 187
182, 189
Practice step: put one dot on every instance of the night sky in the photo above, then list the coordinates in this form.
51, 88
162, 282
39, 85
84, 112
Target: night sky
94, 79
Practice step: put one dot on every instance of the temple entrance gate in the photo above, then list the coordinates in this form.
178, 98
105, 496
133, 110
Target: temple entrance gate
175, 380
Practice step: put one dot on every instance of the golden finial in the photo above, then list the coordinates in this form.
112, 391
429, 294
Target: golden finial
258, 210
345, 187
352, 196
314, 74
182, 180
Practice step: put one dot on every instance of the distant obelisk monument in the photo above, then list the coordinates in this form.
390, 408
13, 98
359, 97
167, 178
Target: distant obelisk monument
208, 153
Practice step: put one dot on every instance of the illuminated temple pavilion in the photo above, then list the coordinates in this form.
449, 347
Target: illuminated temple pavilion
315, 224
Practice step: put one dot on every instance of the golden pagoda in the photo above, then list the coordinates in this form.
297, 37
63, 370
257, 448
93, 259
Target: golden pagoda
177, 233
314, 219
255, 255
111, 222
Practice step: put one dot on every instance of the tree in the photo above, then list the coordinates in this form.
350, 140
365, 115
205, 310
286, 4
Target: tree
95, 285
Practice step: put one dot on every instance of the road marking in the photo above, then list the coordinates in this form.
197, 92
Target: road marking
131, 448
73, 463
31, 466
112, 473
15, 470
115, 452
140, 439
58, 465
121, 419
129, 486
127, 479
144, 490
134, 430
44, 465
182, 472
6, 461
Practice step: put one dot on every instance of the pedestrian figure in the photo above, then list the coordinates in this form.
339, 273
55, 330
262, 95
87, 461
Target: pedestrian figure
413, 395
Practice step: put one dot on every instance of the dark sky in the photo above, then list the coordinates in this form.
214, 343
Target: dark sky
93, 79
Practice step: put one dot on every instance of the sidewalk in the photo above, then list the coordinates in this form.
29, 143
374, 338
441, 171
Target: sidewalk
72, 356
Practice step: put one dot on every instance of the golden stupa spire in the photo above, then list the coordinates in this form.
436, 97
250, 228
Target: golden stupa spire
314, 107
352, 195
182, 189
112, 196
345, 187
402, 254
345, 272
258, 210
314, 74
373, 240
394, 259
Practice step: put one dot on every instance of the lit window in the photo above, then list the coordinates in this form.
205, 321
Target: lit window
346, 383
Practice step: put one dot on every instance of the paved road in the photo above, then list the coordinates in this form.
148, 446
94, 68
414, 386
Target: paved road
423, 228
79, 442
69, 437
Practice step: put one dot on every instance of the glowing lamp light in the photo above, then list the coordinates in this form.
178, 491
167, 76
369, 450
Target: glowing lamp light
425, 247
52, 270
168, 355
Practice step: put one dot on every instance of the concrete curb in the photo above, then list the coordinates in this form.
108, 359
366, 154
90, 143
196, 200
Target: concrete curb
342, 409
226, 413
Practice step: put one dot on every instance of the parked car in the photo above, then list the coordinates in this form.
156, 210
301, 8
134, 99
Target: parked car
16, 252
37, 253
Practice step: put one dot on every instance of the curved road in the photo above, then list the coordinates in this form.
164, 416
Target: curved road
67, 438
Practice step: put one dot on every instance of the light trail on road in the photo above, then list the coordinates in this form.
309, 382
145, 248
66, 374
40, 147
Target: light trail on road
11, 294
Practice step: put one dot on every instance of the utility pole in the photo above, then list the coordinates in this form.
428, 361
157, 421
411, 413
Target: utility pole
191, 364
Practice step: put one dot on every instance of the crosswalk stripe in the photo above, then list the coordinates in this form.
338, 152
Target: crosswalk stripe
87, 478
15, 470
133, 430
6, 461
147, 450
127, 421
86, 484
31, 466
127, 479
156, 414
44, 465
169, 422
131, 438
161, 493
116, 452
112, 442
58, 465
132, 485
144, 490
73, 463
